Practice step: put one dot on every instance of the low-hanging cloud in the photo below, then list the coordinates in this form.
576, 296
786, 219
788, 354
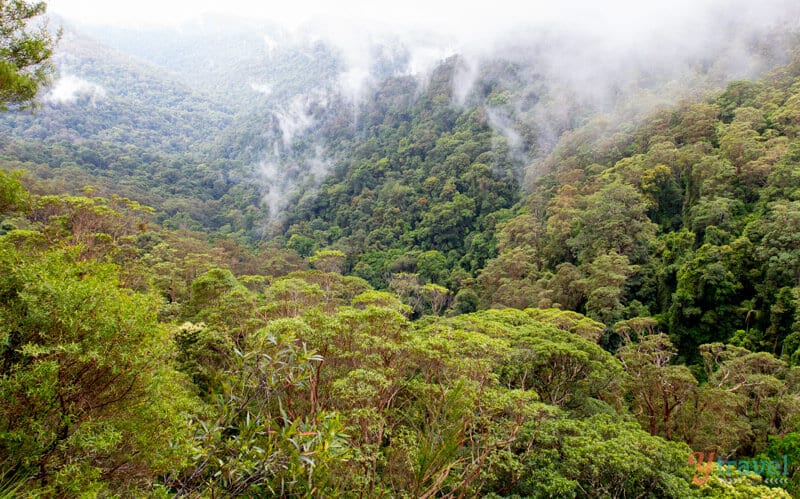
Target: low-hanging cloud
571, 59
290, 171
300, 114
69, 89
593, 55
558, 60
262, 88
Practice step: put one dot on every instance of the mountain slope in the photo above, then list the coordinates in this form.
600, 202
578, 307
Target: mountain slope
691, 218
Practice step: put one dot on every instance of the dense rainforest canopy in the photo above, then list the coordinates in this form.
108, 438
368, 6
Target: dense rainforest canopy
429, 300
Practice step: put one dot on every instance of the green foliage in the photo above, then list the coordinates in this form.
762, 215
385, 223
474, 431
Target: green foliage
328, 260
25, 52
658, 388
12, 193
315, 384
203, 354
614, 219
255, 445
598, 457
208, 290
380, 299
86, 393
417, 178
718, 178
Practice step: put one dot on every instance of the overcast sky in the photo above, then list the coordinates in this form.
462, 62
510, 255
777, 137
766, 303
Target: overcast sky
468, 25
459, 16
291, 12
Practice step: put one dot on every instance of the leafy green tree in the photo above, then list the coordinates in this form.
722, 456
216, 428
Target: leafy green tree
787, 116
328, 260
598, 457
658, 387
563, 368
564, 289
438, 297
445, 225
291, 296
717, 212
615, 218
779, 243
526, 231
660, 187
432, 266
12, 193
208, 289
562, 212
466, 301
254, 444
698, 122
605, 286
25, 52
203, 354
705, 303
764, 389
506, 280
740, 144
303, 245
380, 299
568, 320
87, 397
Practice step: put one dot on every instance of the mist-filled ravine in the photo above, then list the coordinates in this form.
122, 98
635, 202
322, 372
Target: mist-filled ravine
400, 250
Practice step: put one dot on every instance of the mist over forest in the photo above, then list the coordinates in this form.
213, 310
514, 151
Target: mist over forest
546, 75
400, 250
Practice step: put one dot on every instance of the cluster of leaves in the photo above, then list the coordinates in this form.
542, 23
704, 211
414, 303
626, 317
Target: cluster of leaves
186, 192
91, 400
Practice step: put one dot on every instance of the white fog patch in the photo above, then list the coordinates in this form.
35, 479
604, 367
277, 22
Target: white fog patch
299, 115
353, 83
578, 59
292, 180
503, 124
572, 58
464, 79
274, 186
271, 43
292, 172
424, 59
68, 89
262, 88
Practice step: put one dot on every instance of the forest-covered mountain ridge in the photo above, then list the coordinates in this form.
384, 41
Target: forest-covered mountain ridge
261, 112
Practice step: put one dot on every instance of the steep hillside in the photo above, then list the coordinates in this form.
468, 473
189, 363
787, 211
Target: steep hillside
691, 218
129, 128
